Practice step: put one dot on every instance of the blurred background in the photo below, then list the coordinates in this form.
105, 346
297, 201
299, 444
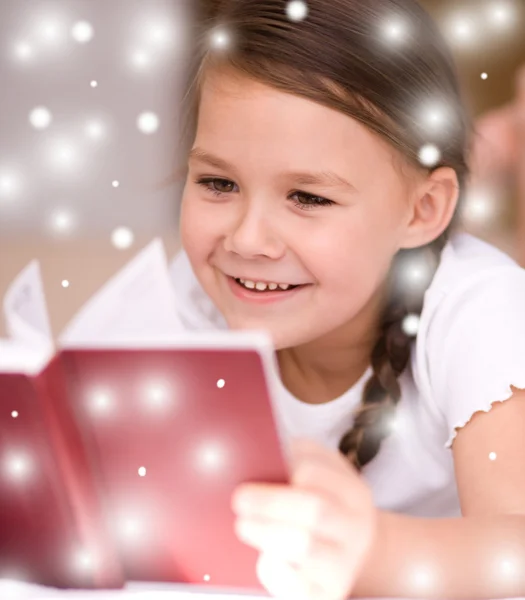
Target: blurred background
89, 125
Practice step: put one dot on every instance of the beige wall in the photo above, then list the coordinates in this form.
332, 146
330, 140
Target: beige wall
86, 264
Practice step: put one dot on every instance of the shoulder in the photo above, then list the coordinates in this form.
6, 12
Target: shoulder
471, 345
466, 260
474, 278
194, 306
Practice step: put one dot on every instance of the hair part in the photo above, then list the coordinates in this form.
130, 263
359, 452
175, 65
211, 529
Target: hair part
338, 58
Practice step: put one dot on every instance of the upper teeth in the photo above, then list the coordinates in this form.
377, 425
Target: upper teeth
259, 285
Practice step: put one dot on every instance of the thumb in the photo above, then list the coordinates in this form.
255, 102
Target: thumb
305, 448
301, 447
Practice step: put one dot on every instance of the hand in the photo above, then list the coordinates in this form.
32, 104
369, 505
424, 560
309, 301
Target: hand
314, 534
498, 145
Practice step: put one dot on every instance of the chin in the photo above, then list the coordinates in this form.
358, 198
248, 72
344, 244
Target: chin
281, 339
238, 325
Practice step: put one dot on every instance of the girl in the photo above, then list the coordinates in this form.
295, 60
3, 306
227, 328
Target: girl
326, 164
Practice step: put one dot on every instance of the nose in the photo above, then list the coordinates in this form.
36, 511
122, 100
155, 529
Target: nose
254, 234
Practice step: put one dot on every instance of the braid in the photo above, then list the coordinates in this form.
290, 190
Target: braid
390, 356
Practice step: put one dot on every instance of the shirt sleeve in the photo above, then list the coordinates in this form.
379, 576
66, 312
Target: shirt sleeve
476, 346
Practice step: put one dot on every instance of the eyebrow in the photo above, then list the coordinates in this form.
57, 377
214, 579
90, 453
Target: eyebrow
327, 178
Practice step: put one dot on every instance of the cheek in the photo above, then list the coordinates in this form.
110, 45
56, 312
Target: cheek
188, 224
346, 249
197, 229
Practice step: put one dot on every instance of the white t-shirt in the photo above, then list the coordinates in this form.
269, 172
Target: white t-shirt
469, 350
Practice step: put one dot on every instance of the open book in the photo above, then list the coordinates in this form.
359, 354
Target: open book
120, 449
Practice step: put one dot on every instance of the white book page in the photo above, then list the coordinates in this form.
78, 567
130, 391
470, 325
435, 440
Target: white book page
11, 590
136, 304
18, 590
25, 309
30, 343
20, 357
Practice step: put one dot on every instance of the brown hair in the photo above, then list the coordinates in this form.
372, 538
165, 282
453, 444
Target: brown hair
336, 56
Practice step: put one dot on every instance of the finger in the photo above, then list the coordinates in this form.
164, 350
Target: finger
338, 466
293, 506
330, 511
334, 574
318, 561
286, 541
333, 565
320, 515
285, 582
280, 579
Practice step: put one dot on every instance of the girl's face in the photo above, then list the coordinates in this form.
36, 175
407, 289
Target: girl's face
265, 219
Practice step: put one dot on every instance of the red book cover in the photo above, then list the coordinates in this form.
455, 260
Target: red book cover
50, 511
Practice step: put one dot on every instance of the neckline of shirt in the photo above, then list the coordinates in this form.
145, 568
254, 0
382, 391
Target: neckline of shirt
347, 396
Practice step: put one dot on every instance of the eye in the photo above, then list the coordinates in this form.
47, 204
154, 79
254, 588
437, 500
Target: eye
309, 201
208, 182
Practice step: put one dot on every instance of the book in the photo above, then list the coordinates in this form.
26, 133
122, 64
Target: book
122, 444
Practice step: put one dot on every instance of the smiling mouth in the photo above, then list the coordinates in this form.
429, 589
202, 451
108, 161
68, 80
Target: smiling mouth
262, 288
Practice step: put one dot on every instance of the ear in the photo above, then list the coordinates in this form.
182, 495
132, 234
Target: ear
431, 208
